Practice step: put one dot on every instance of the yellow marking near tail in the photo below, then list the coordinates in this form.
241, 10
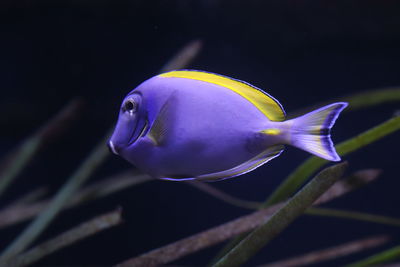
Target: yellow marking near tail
265, 103
271, 131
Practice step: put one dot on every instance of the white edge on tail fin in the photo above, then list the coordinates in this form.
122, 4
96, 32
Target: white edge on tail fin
311, 132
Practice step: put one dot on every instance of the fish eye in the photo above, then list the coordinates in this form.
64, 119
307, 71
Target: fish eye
129, 106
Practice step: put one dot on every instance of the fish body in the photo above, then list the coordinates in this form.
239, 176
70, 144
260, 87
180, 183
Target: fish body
186, 124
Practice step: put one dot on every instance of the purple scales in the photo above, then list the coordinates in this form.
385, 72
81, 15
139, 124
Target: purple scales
197, 125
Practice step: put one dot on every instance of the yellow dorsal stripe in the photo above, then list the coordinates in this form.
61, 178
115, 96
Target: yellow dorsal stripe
265, 103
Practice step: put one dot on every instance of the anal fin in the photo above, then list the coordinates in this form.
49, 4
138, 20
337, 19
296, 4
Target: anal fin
262, 158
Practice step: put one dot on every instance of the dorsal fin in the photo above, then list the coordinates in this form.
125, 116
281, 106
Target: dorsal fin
268, 105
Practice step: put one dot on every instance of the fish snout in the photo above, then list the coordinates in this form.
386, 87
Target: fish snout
113, 148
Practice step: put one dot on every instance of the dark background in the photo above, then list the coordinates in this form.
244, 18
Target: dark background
302, 52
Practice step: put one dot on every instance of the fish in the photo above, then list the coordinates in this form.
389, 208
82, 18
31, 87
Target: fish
196, 125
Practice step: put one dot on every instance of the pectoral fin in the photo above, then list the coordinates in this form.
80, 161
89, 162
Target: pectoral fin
162, 125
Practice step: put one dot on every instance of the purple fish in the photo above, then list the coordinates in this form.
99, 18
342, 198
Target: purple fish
189, 124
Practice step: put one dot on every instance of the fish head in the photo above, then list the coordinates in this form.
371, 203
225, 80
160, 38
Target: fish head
131, 125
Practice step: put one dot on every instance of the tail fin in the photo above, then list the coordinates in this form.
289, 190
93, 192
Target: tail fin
311, 132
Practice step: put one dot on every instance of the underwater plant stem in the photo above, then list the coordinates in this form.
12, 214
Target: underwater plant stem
243, 224
204, 239
283, 217
183, 57
347, 184
353, 215
310, 166
108, 186
331, 253
34, 229
357, 101
124, 180
30, 197
372, 98
19, 159
341, 187
22, 157
98, 156
221, 195
379, 258
179, 60
69, 237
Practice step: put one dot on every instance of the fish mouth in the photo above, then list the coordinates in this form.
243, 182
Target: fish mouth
139, 132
